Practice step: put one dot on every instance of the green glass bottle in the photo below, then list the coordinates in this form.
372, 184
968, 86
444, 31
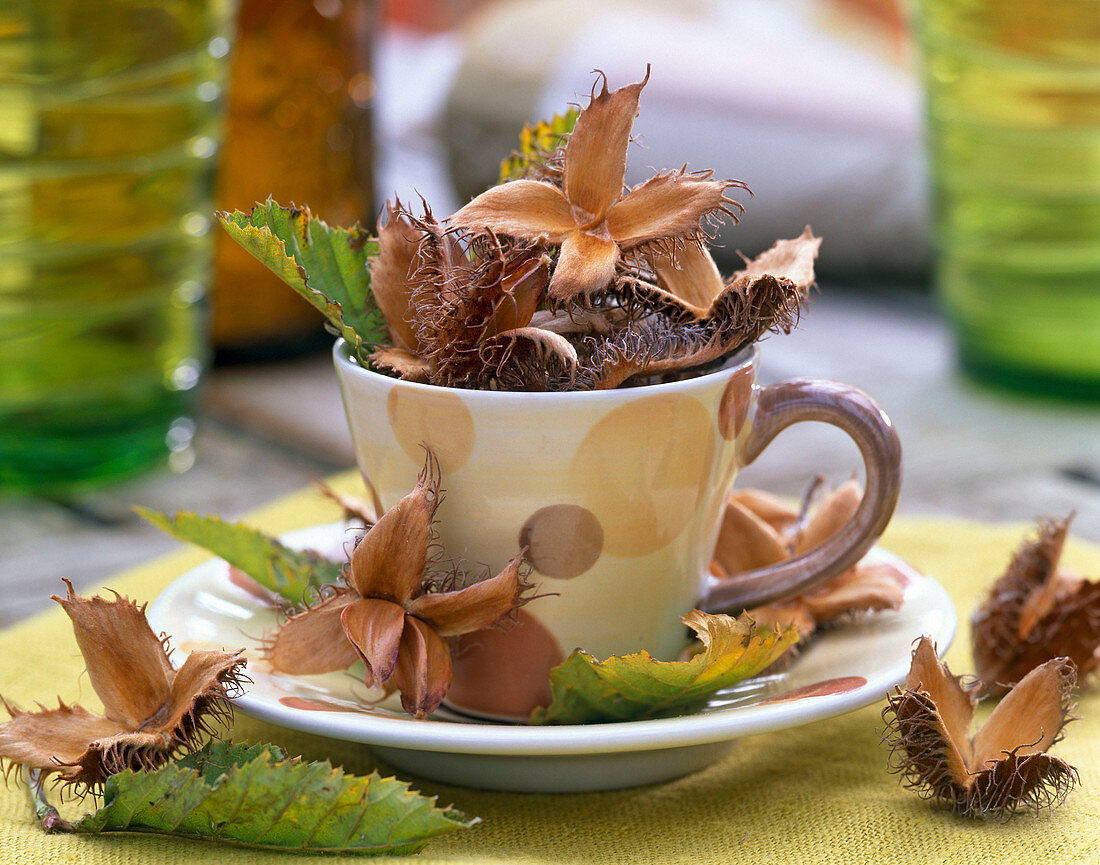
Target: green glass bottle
110, 128
1013, 113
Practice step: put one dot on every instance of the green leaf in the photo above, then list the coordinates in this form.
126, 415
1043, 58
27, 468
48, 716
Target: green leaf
635, 687
537, 143
253, 796
327, 266
275, 566
218, 757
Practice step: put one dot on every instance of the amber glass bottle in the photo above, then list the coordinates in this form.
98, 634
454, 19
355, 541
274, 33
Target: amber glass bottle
299, 131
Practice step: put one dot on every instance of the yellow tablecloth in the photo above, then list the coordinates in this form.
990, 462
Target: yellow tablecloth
816, 794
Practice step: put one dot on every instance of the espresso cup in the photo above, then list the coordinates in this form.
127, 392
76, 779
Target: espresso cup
617, 496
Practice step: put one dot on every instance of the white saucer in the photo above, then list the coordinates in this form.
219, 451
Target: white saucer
859, 663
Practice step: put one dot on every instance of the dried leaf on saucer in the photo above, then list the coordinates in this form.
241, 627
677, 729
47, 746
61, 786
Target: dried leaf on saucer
759, 529
1036, 611
637, 686
1004, 768
397, 610
152, 711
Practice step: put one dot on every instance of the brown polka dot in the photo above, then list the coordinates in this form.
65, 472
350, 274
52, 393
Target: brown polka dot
820, 689
436, 418
564, 540
504, 672
643, 469
733, 408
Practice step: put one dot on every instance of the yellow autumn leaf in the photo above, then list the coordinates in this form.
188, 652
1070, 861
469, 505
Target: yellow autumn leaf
637, 686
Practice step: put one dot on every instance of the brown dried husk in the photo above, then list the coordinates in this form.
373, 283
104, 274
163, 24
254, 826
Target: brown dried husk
571, 238
398, 239
401, 604
529, 358
355, 509
659, 345
587, 217
1005, 767
1035, 612
400, 363
648, 348
465, 296
680, 281
677, 326
153, 712
759, 530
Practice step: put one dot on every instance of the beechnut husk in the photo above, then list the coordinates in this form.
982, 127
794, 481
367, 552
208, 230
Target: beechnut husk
561, 279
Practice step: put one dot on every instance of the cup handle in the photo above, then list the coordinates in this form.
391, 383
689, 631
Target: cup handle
788, 402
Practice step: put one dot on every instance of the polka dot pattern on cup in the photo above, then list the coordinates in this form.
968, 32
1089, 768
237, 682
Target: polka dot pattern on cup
563, 541
643, 506
733, 408
436, 418
505, 671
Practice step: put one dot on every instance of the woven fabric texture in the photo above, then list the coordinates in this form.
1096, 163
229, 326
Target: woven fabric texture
816, 794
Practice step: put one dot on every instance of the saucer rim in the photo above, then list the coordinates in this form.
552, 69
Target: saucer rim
489, 738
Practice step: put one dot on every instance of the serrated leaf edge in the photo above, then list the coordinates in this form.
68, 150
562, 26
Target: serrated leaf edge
394, 785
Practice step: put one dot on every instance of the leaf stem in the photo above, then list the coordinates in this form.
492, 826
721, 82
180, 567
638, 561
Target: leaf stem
47, 813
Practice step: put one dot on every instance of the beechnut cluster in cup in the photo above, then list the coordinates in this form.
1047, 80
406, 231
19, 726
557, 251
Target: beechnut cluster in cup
558, 278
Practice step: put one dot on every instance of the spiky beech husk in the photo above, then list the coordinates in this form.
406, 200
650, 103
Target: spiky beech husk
1004, 768
400, 363
678, 279
398, 240
1036, 611
576, 322
400, 607
667, 336
465, 293
743, 311
675, 208
758, 530
648, 348
633, 294
529, 358
588, 217
153, 711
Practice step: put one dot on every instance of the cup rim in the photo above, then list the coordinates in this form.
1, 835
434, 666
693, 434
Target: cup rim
747, 356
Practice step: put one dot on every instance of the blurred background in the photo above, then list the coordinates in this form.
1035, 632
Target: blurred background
815, 104
948, 151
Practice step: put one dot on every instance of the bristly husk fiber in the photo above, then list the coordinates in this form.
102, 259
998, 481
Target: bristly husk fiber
480, 299
1036, 611
152, 711
1004, 768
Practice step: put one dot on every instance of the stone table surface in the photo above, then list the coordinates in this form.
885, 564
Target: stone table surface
266, 430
